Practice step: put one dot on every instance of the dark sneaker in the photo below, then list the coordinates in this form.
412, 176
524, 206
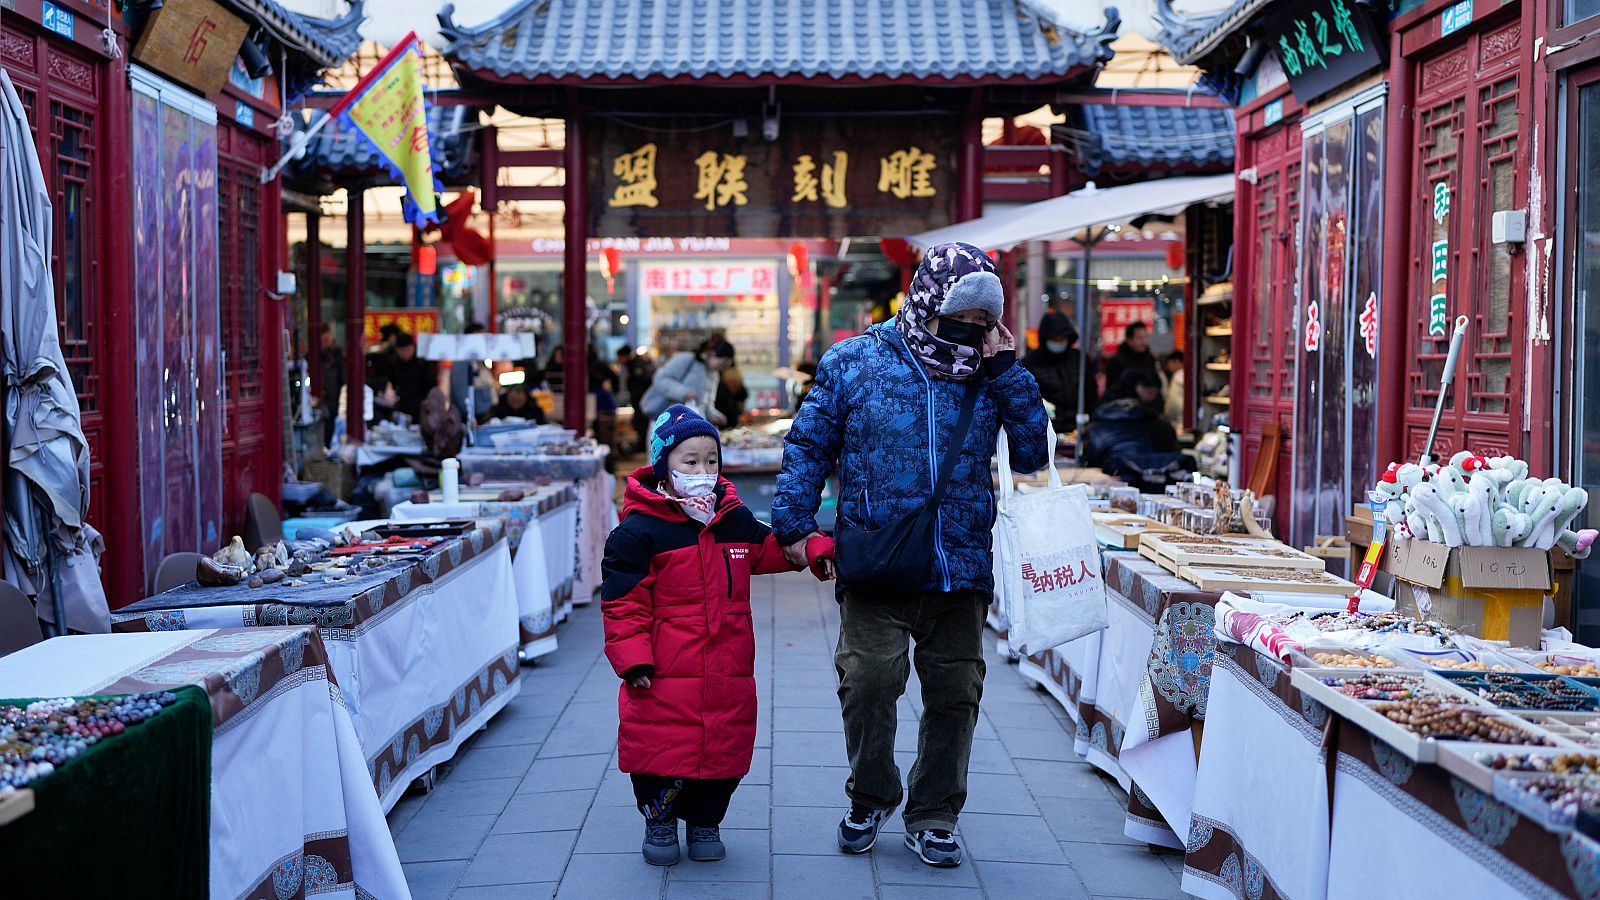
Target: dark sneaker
859, 830
661, 842
705, 844
936, 848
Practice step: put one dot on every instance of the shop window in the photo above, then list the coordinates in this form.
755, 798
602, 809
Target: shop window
239, 199
72, 140
1489, 382
1263, 348
1586, 352
1335, 435
1578, 10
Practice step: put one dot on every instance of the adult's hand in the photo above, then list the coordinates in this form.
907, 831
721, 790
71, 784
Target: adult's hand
718, 419
795, 553
690, 397
998, 340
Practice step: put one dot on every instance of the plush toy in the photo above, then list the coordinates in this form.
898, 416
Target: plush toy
1438, 511
1577, 544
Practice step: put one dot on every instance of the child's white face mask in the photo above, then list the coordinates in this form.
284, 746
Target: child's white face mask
694, 485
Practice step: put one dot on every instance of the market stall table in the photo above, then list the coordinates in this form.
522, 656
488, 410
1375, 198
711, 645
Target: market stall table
292, 810
542, 530
424, 650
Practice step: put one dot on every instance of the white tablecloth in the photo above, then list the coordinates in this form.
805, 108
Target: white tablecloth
421, 673
290, 794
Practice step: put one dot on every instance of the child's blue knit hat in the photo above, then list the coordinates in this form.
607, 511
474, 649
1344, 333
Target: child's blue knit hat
678, 424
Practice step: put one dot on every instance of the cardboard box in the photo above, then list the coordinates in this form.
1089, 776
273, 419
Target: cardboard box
1496, 593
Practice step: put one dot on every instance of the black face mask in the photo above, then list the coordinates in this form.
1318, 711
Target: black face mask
964, 333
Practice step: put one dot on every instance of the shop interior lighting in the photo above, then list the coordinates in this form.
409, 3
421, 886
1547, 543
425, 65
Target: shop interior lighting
516, 376
623, 319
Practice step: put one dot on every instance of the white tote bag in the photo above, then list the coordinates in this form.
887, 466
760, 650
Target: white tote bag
1046, 561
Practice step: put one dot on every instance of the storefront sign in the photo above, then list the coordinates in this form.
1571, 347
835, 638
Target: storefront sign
720, 279
1313, 327
1323, 44
1272, 114
411, 321
1117, 315
823, 177
1454, 18
1441, 259
1369, 325
1441, 201
193, 42
57, 20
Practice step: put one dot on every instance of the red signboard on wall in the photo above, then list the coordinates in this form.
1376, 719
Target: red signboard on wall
1117, 315
412, 321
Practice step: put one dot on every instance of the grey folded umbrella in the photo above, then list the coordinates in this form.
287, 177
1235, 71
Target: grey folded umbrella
46, 478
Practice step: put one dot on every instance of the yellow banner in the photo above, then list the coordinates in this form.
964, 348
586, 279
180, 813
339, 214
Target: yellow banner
387, 107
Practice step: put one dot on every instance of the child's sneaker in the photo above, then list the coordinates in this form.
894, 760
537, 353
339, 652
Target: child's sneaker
859, 830
936, 848
705, 844
661, 842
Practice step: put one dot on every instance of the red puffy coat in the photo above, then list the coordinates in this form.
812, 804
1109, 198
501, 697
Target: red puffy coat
676, 596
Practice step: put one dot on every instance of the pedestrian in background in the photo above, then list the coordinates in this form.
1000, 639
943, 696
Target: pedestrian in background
885, 411
690, 379
679, 634
1132, 353
1056, 365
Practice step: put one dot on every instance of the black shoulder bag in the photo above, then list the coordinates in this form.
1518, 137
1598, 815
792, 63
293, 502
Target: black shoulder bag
898, 557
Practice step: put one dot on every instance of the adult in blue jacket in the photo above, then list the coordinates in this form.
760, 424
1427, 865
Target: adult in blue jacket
881, 411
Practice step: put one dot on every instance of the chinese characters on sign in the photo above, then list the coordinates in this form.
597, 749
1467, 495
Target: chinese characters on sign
830, 178
1323, 44
56, 19
412, 321
637, 172
1455, 17
1369, 325
1441, 201
1117, 315
710, 280
1046, 580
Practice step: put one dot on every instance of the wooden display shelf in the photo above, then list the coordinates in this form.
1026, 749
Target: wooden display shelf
1220, 332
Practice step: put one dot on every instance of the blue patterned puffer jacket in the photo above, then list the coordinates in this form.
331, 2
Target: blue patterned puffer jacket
868, 414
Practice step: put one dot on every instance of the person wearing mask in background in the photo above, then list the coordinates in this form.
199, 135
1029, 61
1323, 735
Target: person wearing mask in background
1057, 365
412, 378
637, 372
732, 395
555, 371
1172, 391
690, 379
1128, 437
1132, 353
517, 403
331, 359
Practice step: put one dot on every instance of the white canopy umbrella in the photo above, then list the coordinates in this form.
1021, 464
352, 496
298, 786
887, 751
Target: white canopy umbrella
1068, 215
1075, 215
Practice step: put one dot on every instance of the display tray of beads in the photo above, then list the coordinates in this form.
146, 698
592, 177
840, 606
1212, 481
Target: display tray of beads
1479, 766
1461, 660
1530, 692
45, 735
1414, 712
1552, 801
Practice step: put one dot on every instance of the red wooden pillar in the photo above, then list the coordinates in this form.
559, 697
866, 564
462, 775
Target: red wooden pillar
355, 306
1393, 352
123, 564
490, 203
969, 203
1013, 310
575, 277
314, 302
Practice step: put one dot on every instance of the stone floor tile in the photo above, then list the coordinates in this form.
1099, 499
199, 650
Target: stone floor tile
1098, 821
1118, 870
1010, 839
749, 859
1003, 794
929, 892
751, 807
713, 890
522, 730
834, 877
509, 761
808, 785
1047, 743
433, 880
613, 829
436, 838
611, 876
896, 864
809, 748
565, 773
818, 719
1004, 880
542, 891
551, 811
990, 758
468, 797
520, 858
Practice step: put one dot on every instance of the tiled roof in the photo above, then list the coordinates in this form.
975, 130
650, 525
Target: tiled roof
1190, 38
551, 40
329, 42
338, 149
1121, 137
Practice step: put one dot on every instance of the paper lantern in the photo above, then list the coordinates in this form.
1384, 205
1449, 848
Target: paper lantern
427, 260
1175, 256
799, 259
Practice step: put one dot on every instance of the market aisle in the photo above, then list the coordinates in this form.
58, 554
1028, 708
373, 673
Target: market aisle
534, 807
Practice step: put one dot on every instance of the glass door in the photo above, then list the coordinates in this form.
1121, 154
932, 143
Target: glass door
1335, 438
1583, 235
179, 372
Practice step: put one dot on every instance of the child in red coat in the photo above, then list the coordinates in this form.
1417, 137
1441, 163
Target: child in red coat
676, 601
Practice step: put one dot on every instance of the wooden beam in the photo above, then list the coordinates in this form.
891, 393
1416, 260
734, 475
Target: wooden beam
530, 192
1197, 99
551, 158
1012, 158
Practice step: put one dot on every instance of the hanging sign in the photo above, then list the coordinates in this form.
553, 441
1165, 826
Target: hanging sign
718, 279
193, 42
1369, 325
1117, 315
1441, 201
1438, 315
55, 19
388, 110
412, 321
827, 177
1323, 44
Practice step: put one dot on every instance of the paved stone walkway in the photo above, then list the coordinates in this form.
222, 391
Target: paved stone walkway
535, 808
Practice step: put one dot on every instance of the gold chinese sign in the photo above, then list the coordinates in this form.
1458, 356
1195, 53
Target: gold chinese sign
824, 177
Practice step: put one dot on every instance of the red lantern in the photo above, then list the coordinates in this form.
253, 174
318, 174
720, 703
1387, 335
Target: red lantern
610, 265
1175, 256
427, 260
799, 259
899, 251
